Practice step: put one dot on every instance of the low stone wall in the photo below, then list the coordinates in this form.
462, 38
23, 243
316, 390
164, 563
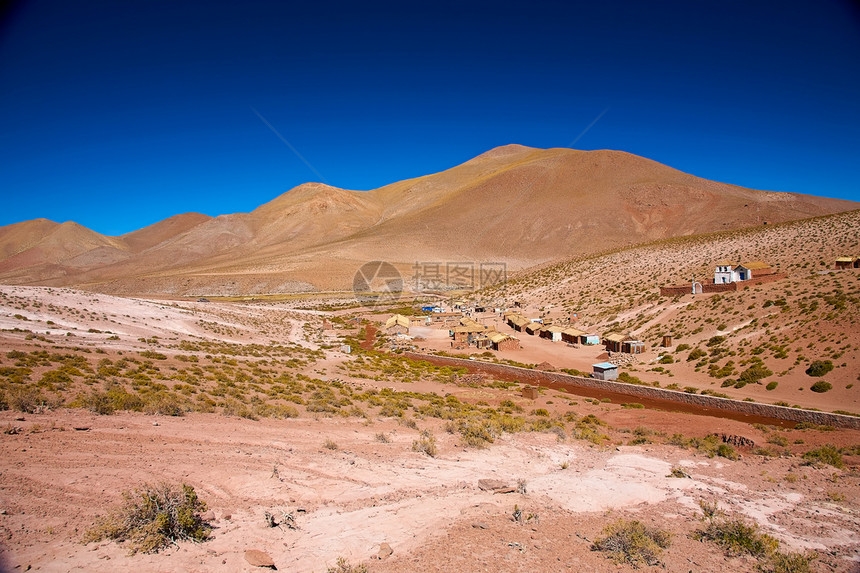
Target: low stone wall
541, 377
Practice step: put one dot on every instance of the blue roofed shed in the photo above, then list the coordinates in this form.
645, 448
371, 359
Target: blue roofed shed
605, 371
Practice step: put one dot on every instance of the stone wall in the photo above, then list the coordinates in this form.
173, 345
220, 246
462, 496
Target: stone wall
540, 377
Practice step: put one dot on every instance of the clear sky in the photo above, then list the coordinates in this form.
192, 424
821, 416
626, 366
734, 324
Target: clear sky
119, 113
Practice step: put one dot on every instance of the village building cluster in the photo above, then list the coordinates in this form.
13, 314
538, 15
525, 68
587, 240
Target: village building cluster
476, 325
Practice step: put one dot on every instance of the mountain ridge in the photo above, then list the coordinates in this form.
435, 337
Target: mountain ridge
513, 203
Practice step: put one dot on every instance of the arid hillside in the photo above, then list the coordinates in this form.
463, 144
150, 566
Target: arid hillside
755, 343
515, 204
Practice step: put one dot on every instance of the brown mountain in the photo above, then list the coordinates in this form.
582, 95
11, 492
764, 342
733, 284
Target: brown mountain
513, 204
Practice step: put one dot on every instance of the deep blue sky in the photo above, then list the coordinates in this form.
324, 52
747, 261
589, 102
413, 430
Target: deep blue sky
117, 114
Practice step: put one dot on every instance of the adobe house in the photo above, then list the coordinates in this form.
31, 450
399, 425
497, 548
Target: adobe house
612, 342
553, 332
518, 322
503, 341
633, 347
572, 335
605, 371
397, 324
843, 263
754, 269
534, 328
590, 339
467, 331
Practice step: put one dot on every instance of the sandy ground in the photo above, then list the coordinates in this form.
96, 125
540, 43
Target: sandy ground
61, 469
56, 479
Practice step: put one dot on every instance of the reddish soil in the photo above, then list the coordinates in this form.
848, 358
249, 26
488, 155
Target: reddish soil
61, 469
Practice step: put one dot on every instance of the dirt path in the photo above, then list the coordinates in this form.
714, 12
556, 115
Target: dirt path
369, 337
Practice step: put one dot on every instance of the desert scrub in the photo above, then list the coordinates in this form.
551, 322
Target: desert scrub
426, 444
477, 433
826, 454
821, 386
343, 566
737, 537
330, 444
154, 517
633, 542
819, 368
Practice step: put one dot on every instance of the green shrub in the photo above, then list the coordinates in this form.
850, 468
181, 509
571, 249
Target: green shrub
819, 368
633, 542
666, 359
696, 354
727, 451
154, 517
755, 373
153, 355
772, 385
821, 386
737, 537
827, 454
477, 433
164, 403
788, 563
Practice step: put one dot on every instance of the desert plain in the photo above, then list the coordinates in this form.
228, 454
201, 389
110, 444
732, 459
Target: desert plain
317, 445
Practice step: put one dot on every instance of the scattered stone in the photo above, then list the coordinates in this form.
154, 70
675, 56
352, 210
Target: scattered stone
492, 484
20, 419
155, 423
385, 551
259, 558
737, 441
480, 525
208, 516
82, 428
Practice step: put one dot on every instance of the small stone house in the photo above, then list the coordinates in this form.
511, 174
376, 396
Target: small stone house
605, 371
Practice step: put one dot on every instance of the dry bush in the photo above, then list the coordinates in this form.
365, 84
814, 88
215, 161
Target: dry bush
154, 517
426, 444
633, 542
24, 399
343, 566
330, 444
